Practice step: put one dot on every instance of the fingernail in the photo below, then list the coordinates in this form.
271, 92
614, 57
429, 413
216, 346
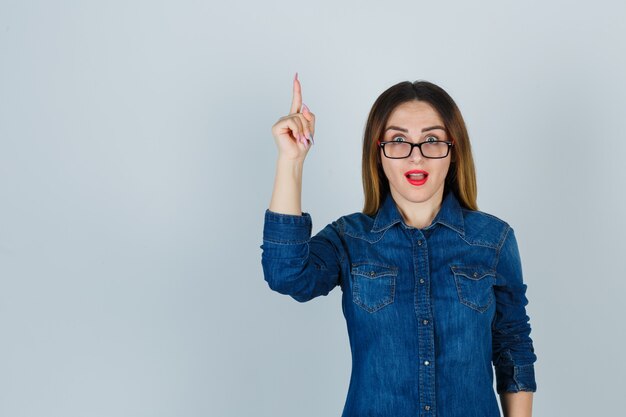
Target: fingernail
305, 107
296, 76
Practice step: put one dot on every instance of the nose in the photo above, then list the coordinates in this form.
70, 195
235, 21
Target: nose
416, 155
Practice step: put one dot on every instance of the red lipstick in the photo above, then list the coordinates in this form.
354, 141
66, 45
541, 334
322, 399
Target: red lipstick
416, 179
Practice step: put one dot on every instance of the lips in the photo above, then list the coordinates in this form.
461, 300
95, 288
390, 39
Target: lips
416, 176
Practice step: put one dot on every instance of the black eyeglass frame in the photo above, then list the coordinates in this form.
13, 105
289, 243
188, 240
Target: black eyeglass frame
413, 145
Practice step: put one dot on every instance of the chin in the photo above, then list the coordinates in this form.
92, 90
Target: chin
421, 198
415, 195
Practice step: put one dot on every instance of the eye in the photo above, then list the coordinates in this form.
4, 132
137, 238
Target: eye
431, 139
397, 137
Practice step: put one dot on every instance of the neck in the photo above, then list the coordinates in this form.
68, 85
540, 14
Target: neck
419, 215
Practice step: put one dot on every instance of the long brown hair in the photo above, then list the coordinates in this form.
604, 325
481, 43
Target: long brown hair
461, 177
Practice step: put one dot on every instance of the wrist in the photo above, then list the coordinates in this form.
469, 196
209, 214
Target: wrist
291, 167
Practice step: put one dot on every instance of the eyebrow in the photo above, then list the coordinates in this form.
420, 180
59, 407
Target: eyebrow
426, 129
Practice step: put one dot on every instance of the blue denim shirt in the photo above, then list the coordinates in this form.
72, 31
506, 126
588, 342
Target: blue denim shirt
428, 311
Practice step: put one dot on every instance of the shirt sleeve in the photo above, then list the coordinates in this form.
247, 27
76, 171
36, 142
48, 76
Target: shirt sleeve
513, 352
296, 264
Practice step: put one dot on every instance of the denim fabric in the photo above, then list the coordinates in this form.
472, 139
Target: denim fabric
428, 311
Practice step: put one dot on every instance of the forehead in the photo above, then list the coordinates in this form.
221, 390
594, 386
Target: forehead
414, 115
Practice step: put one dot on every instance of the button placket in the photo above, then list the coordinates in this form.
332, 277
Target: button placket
423, 311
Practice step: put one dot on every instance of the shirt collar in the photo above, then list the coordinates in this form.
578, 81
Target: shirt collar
450, 214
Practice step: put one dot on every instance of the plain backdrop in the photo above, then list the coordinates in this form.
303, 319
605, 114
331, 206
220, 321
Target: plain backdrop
136, 163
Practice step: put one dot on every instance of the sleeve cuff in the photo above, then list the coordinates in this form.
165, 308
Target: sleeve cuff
286, 236
515, 378
286, 228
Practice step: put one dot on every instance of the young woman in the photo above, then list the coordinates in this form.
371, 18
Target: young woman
433, 294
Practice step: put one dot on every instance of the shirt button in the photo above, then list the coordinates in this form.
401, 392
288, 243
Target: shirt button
425, 322
421, 280
426, 363
427, 407
419, 243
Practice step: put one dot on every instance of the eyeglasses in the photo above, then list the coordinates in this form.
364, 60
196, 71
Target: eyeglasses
433, 149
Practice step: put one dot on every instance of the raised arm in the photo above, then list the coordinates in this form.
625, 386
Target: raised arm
293, 135
294, 263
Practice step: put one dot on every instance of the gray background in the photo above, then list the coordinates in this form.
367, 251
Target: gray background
136, 161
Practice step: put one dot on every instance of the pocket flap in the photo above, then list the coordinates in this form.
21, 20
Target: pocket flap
472, 271
371, 270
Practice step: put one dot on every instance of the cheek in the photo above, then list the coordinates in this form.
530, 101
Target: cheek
440, 168
383, 164
390, 169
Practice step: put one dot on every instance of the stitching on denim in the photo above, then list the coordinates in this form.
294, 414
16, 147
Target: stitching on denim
505, 235
341, 227
391, 269
478, 242
283, 218
515, 378
460, 231
308, 251
462, 275
382, 234
384, 229
501, 245
389, 274
470, 304
517, 369
356, 298
461, 270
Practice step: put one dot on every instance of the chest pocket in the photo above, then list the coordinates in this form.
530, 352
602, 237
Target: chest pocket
373, 285
474, 284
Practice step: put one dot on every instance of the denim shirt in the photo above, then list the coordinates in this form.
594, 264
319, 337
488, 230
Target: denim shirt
428, 311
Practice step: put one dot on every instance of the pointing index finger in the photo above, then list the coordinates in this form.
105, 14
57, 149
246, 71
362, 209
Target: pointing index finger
296, 101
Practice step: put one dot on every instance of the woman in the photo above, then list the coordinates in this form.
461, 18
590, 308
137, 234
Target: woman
433, 294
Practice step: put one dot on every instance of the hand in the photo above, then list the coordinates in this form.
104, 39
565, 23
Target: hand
291, 132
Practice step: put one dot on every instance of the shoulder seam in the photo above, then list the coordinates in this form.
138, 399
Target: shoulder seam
341, 223
501, 244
